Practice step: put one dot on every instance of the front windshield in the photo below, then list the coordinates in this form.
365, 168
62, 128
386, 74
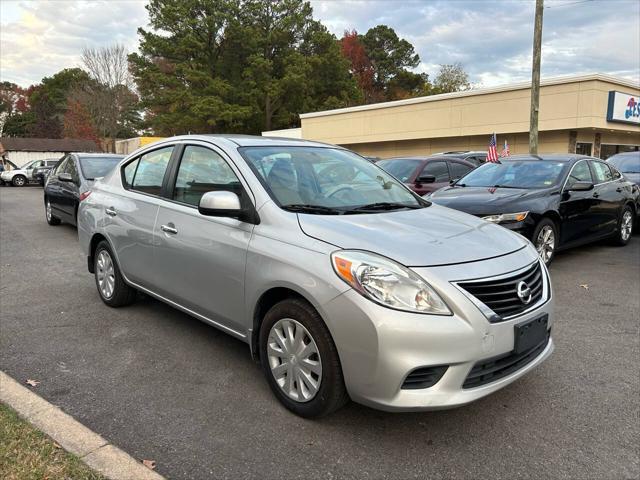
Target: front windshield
326, 180
95, 167
401, 168
626, 163
516, 174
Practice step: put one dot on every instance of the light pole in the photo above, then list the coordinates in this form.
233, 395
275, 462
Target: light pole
535, 79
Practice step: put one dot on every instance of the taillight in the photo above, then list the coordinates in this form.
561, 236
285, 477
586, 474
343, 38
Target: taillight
84, 195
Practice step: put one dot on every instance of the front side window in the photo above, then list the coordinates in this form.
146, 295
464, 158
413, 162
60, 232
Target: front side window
601, 172
149, 171
580, 173
459, 170
326, 181
516, 174
61, 166
203, 170
438, 170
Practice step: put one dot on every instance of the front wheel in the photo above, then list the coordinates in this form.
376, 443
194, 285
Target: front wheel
111, 285
300, 360
48, 213
19, 181
545, 239
625, 227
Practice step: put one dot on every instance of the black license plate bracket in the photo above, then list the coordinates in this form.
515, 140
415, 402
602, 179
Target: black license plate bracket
530, 333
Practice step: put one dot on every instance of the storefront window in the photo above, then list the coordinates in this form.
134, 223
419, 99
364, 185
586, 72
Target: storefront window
607, 150
583, 149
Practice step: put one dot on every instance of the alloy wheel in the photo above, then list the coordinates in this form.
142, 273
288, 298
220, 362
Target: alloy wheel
627, 225
19, 181
105, 274
294, 360
545, 243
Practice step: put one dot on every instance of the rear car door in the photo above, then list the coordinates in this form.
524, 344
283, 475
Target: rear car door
437, 168
53, 190
201, 259
578, 210
610, 196
130, 214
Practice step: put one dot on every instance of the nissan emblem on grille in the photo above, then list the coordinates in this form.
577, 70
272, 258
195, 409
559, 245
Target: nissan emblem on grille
524, 292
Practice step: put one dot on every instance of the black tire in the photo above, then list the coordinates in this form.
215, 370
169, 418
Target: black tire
544, 225
122, 294
331, 394
622, 235
19, 181
48, 214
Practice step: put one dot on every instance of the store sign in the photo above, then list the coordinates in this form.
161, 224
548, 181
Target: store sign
623, 108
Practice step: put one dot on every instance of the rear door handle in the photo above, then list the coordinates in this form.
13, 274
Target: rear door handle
110, 211
168, 229
596, 195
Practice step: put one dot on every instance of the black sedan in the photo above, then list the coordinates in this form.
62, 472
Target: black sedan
556, 201
70, 182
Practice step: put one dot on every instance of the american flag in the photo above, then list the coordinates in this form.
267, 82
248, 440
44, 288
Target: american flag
492, 154
505, 150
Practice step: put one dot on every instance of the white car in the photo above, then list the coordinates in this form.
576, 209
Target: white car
21, 176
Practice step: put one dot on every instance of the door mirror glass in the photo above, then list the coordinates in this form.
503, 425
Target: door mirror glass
426, 179
65, 177
581, 187
220, 204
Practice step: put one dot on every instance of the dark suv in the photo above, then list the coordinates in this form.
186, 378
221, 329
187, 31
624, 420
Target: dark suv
41, 169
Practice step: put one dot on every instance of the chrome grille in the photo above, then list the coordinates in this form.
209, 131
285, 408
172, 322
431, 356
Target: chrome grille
500, 295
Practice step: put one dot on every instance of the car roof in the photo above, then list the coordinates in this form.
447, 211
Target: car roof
626, 154
239, 140
546, 157
430, 157
98, 155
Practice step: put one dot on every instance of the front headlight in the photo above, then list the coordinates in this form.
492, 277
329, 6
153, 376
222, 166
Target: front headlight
506, 217
387, 282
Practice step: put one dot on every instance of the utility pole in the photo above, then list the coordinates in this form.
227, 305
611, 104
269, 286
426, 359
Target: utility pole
535, 79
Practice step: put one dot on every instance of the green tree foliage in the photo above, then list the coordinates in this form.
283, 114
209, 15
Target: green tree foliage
237, 65
451, 78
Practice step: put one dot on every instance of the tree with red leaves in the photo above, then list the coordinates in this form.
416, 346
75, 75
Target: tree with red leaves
361, 67
77, 122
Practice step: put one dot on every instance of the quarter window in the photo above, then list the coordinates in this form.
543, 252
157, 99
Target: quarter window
146, 173
438, 170
580, 173
202, 170
602, 172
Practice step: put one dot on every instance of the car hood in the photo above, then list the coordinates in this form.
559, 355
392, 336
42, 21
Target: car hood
416, 238
483, 200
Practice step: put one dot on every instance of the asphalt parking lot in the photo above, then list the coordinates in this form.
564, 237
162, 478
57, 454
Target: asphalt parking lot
164, 386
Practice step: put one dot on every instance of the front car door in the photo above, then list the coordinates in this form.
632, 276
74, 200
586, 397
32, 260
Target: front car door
437, 168
201, 259
578, 210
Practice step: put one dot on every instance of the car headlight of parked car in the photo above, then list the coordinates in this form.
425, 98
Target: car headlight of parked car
387, 282
506, 217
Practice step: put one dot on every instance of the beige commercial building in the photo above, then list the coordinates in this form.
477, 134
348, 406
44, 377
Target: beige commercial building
591, 114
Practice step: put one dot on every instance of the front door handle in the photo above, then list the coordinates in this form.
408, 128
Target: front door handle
168, 229
596, 195
110, 211
619, 189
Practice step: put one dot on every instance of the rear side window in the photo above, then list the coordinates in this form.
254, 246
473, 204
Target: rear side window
203, 170
146, 173
580, 173
602, 172
459, 170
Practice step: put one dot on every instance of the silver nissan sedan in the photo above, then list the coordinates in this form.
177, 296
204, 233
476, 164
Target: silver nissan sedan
344, 283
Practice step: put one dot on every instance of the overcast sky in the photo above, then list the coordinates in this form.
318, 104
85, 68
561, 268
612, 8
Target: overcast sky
491, 38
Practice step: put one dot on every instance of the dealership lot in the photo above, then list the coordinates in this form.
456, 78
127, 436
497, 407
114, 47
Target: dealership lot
166, 387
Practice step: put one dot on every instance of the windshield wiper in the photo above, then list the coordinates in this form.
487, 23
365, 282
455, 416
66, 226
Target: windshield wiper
382, 206
317, 209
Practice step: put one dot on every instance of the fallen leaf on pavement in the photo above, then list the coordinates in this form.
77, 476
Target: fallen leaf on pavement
585, 286
149, 464
55, 445
33, 383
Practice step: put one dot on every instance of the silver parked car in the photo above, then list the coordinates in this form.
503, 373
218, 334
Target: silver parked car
343, 282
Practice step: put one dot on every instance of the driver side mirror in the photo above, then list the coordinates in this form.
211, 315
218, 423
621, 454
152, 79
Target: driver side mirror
453, 180
226, 204
426, 179
581, 187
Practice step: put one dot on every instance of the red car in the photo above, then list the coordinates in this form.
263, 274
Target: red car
426, 174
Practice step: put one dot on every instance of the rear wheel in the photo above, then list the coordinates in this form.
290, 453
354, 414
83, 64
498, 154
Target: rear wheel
625, 227
300, 360
51, 219
111, 285
545, 239
19, 181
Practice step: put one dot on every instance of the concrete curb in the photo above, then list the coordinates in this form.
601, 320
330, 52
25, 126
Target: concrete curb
71, 435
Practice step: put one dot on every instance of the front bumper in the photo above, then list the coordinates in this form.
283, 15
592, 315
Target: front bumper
379, 347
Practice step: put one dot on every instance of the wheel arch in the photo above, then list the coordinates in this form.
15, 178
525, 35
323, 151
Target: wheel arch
93, 244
